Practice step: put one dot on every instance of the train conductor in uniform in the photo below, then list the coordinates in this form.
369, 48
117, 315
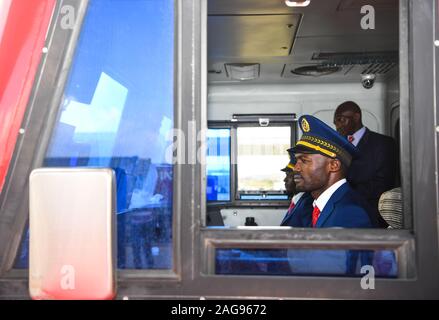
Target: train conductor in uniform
299, 212
323, 159
374, 170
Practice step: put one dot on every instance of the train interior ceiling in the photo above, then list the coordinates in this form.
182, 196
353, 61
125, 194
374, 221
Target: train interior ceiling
266, 58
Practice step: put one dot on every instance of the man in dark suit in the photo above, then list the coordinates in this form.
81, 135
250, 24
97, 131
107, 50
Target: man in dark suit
299, 212
374, 170
323, 158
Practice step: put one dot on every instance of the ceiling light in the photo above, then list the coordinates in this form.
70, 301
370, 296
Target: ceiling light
299, 3
243, 71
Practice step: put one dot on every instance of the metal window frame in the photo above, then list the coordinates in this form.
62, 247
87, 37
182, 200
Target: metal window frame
38, 122
418, 256
323, 239
419, 160
235, 200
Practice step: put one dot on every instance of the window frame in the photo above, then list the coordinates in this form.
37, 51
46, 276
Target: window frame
418, 259
40, 122
293, 129
235, 200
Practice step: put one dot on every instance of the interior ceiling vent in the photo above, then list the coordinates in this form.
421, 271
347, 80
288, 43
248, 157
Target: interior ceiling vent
378, 68
355, 58
316, 70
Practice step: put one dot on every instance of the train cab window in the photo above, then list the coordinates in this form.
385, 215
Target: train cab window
116, 111
310, 67
244, 160
261, 154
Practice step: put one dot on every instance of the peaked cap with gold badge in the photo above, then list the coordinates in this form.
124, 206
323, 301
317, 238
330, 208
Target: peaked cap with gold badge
292, 163
320, 138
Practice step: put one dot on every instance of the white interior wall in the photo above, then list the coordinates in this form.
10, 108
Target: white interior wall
235, 217
393, 90
317, 99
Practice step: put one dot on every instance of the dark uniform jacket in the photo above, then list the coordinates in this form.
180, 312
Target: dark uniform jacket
374, 171
300, 215
346, 209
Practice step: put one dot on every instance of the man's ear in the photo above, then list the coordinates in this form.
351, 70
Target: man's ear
335, 165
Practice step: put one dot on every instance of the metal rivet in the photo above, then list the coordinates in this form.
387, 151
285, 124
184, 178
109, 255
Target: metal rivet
125, 298
437, 128
436, 43
45, 50
235, 213
21, 131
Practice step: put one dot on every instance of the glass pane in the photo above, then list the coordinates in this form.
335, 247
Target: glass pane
218, 165
261, 155
117, 111
304, 262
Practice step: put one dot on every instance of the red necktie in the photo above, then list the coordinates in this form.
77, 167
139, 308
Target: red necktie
292, 205
351, 138
315, 216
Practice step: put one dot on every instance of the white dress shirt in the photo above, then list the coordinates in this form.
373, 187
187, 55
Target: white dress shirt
358, 135
323, 199
297, 197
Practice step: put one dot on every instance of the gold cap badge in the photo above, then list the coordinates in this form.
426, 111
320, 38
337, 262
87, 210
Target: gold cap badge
305, 125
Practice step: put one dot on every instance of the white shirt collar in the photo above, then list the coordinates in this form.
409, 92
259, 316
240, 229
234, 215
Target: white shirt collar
297, 197
358, 135
323, 199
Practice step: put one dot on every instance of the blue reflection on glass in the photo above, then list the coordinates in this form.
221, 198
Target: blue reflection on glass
311, 262
218, 165
116, 112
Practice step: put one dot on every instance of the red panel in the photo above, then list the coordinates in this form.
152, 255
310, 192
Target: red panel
23, 27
